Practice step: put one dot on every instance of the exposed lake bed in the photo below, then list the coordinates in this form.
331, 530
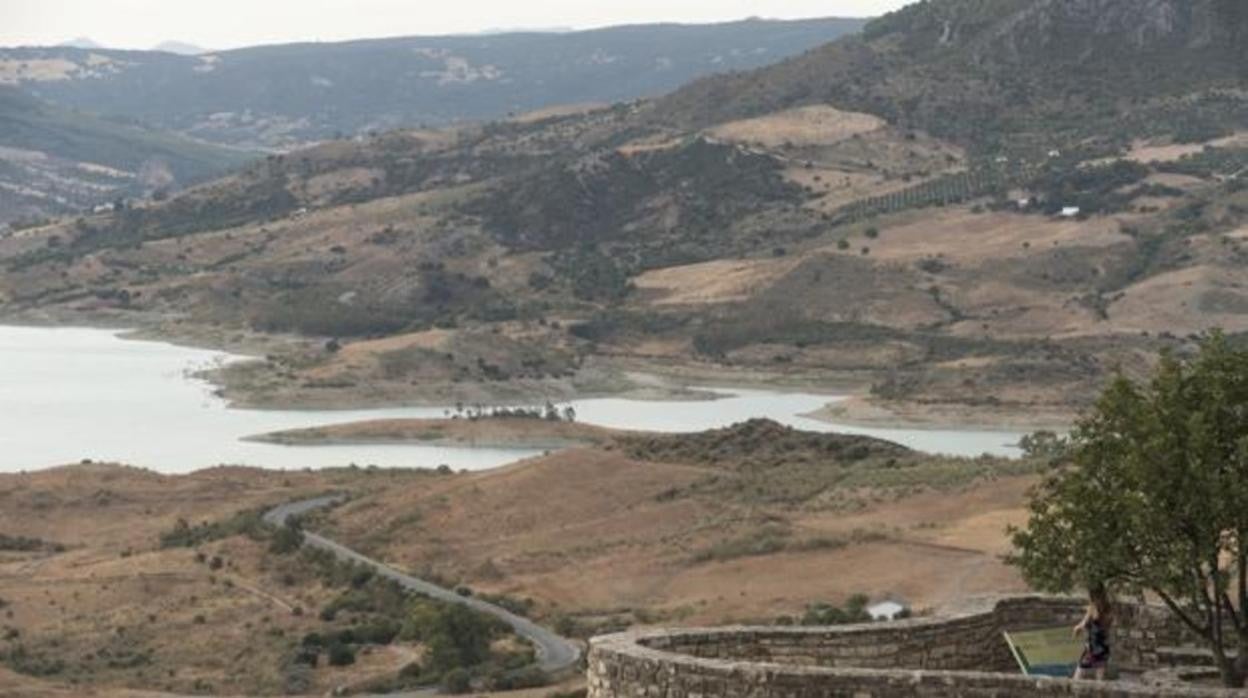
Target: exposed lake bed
69, 394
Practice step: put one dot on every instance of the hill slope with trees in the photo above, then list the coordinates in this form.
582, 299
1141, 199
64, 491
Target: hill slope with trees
974, 204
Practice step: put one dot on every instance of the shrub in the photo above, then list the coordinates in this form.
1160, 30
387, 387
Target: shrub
456, 636
286, 540
456, 681
23, 544
528, 677
31, 664
378, 632
339, 654
184, 535
854, 611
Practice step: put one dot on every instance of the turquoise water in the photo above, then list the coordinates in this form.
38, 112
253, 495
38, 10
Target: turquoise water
69, 394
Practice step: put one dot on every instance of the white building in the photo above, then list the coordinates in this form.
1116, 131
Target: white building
886, 610
1071, 212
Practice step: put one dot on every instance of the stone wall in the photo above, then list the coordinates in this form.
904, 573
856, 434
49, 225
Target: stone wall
961, 654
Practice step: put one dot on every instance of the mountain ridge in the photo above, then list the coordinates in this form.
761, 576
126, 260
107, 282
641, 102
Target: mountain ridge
279, 96
959, 68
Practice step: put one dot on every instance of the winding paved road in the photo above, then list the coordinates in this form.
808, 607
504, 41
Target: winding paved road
554, 653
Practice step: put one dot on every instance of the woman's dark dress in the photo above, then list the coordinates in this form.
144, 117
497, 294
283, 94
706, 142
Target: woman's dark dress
1096, 649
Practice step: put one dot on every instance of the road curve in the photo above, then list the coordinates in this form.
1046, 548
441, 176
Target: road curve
554, 653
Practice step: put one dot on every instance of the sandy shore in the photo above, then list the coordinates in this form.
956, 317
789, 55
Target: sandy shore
864, 411
489, 432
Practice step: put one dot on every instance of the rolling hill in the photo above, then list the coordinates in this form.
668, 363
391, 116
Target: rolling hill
55, 160
972, 206
284, 95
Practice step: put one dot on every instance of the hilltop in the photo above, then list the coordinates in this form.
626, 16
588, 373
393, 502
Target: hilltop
1003, 74
983, 205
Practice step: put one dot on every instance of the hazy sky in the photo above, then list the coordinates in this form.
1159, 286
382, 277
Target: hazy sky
220, 24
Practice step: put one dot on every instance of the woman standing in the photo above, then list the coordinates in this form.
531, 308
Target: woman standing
1096, 623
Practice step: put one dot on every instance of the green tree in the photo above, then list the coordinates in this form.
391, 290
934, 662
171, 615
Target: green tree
455, 635
340, 654
1154, 498
286, 539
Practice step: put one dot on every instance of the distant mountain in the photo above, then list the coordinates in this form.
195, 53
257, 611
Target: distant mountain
279, 96
54, 160
180, 48
81, 42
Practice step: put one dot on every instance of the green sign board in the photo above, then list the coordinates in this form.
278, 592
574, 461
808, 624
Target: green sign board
1052, 652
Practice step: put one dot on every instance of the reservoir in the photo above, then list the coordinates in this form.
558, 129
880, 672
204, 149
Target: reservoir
72, 394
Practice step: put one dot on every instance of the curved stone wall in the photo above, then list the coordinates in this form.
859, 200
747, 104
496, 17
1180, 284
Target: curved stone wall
958, 655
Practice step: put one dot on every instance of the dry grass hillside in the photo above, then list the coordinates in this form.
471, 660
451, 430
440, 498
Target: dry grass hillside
112, 611
746, 524
975, 304
102, 587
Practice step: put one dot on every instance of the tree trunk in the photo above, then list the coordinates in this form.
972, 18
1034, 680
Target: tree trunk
1228, 667
1238, 675
1233, 674
1234, 670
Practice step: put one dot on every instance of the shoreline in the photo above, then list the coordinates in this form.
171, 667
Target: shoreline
503, 433
863, 411
604, 377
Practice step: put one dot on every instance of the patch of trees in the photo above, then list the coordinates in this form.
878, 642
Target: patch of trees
549, 412
594, 273
853, 611
26, 544
945, 190
1210, 162
310, 306
693, 191
610, 323
1093, 189
374, 610
32, 663
186, 535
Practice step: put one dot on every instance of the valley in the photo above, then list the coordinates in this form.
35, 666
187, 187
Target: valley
642, 327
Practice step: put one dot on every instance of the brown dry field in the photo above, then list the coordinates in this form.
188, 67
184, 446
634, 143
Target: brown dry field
1149, 152
115, 594
591, 534
557, 112
817, 125
13, 72
721, 281
479, 433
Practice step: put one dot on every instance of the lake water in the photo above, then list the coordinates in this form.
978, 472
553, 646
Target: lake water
69, 394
